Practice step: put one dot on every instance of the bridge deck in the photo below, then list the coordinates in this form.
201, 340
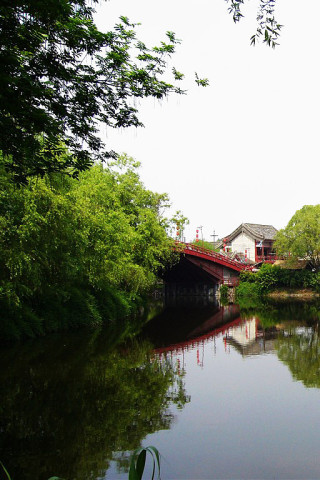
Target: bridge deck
221, 259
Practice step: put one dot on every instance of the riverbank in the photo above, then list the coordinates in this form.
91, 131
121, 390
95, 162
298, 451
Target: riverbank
279, 283
299, 294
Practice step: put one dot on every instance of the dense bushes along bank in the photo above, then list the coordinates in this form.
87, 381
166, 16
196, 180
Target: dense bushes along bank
77, 252
271, 277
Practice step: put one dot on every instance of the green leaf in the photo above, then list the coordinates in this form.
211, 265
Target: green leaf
141, 461
155, 452
6, 471
133, 475
138, 460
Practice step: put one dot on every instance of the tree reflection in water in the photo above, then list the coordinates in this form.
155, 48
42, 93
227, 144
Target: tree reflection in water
299, 349
68, 404
71, 404
297, 340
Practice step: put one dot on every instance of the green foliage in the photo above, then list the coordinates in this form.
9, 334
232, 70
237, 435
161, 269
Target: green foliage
61, 77
248, 277
247, 289
268, 29
314, 281
224, 294
254, 284
177, 224
75, 252
205, 244
267, 277
271, 277
201, 82
301, 237
138, 461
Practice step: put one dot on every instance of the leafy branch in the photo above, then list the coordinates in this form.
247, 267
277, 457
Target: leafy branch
268, 28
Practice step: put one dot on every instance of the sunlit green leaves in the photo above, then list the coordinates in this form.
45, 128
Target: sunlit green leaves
104, 230
201, 82
300, 239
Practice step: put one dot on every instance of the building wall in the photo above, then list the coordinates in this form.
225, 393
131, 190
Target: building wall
242, 243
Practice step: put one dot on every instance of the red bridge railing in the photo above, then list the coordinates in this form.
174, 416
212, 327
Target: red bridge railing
218, 257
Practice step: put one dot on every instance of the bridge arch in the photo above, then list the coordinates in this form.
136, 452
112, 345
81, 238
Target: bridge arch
200, 272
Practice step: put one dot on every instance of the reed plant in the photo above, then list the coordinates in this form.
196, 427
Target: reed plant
137, 464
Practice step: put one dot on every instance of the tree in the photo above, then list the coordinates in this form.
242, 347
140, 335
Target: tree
301, 237
60, 78
79, 247
205, 244
178, 223
268, 29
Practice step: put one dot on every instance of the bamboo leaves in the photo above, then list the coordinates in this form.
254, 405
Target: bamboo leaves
268, 29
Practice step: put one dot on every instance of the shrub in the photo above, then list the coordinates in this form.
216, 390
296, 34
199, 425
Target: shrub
247, 289
267, 277
270, 277
224, 294
248, 277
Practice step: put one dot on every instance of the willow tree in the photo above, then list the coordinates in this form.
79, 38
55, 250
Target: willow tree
268, 29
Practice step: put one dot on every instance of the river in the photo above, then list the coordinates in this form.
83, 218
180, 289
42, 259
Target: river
223, 392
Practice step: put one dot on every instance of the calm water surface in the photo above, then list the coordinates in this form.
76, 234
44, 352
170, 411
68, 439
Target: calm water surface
222, 392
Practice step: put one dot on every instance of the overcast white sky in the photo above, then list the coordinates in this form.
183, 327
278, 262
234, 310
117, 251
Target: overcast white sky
246, 148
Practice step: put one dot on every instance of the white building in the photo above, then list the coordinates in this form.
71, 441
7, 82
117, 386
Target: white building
252, 242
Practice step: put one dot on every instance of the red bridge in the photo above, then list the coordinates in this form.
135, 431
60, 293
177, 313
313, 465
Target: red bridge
200, 271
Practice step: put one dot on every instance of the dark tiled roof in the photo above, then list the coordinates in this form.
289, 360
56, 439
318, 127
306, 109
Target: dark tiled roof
268, 232
254, 230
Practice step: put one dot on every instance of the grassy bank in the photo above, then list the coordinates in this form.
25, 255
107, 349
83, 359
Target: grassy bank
279, 283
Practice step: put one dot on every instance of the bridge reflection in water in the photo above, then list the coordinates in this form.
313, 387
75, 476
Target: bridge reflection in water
183, 326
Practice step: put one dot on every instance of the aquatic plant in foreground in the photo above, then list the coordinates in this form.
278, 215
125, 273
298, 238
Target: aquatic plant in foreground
137, 465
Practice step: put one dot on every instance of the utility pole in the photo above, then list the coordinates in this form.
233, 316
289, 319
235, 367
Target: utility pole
200, 228
213, 238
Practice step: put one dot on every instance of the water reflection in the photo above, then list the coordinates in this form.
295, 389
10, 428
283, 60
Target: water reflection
67, 403
75, 405
183, 324
250, 338
299, 348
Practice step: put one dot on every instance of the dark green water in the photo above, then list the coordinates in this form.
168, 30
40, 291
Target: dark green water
222, 392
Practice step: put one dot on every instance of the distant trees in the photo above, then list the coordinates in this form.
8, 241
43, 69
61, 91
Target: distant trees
178, 222
300, 239
205, 244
